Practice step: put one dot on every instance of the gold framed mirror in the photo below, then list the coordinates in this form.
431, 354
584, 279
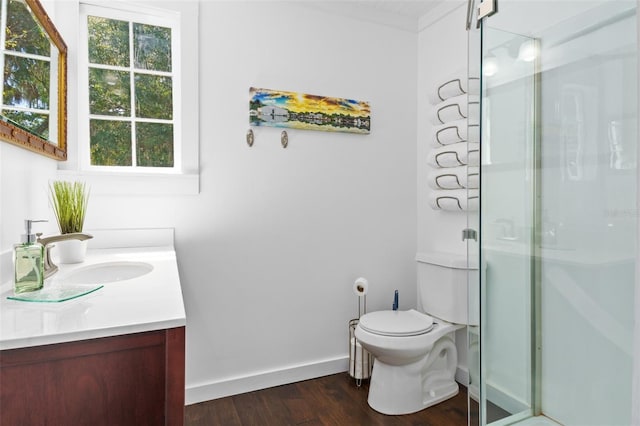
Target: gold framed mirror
33, 108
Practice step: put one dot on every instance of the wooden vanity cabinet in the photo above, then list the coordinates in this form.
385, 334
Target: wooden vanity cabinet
134, 379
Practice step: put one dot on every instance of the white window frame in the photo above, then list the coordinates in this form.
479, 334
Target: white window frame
166, 20
183, 178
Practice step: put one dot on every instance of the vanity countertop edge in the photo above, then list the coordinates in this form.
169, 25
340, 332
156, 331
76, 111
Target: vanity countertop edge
147, 303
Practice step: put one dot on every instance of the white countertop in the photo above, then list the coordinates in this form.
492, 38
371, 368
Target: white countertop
150, 302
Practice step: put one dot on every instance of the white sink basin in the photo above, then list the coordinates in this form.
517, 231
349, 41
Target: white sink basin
108, 272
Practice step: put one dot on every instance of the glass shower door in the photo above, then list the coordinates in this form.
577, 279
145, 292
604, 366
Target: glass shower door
507, 223
558, 214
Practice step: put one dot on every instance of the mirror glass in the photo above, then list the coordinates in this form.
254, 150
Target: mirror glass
33, 108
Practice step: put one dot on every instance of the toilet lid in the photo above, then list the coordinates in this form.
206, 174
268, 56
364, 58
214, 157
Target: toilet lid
396, 323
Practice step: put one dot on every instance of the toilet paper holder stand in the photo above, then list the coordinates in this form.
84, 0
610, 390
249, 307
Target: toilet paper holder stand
360, 360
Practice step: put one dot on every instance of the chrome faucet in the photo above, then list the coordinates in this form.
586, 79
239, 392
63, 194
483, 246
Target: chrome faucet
47, 242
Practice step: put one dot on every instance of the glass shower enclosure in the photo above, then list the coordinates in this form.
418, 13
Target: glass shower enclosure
558, 215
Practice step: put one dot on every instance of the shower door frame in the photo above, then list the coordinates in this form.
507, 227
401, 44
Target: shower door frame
536, 232
535, 344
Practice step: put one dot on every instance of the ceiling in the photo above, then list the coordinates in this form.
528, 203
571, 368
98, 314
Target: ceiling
402, 14
415, 8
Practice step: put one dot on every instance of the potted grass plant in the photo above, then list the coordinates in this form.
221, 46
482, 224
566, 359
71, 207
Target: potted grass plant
69, 201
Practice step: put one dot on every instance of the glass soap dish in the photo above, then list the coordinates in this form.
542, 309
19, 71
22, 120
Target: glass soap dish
56, 294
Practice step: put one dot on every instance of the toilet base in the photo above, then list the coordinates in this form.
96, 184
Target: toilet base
406, 389
394, 390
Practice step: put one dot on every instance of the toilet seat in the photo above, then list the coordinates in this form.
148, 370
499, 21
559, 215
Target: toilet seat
397, 323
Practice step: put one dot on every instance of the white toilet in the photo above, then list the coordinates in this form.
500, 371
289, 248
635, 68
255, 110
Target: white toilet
415, 352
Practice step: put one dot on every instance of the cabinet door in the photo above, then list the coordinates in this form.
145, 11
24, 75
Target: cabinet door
135, 379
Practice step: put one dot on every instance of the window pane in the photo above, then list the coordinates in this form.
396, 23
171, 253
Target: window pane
109, 92
108, 41
26, 82
154, 144
152, 47
154, 96
110, 143
32, 122
23, 32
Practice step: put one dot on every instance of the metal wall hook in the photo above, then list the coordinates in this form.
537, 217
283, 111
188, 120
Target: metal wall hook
250, 138
284, 138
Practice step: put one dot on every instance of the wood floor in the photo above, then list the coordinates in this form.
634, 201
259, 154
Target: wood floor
330, 401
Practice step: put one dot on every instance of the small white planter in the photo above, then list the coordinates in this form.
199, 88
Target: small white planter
71, 251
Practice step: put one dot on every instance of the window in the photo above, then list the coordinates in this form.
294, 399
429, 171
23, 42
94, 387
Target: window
135, 179
132, 88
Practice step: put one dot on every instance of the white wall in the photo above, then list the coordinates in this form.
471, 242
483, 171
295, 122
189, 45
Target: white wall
24, 178
442, 52
23, 189
269, 249
283, 233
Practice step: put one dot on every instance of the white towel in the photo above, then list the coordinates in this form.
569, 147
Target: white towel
454, 200
455, 86
454, 155
456, 108
359, 359
454, 132
454, 178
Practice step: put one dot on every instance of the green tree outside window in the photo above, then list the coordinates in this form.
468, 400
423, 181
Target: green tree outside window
130, 94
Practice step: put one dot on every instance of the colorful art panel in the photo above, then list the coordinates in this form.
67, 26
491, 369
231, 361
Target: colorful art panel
293, 110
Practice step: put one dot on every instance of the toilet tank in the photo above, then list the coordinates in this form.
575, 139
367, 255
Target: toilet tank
442, 286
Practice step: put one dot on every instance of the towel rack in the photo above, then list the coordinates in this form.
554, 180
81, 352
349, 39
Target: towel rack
455, 144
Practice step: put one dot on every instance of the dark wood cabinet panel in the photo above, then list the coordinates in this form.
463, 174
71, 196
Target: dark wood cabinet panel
135, 379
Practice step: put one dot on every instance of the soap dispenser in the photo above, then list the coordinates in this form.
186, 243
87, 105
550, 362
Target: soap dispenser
28, 262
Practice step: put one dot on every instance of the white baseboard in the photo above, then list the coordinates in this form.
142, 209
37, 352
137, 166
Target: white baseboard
505, 400
462, 375
262, 380
236, 385
497, 396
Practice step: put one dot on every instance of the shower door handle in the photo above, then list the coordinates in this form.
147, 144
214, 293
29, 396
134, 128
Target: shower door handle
469, 234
